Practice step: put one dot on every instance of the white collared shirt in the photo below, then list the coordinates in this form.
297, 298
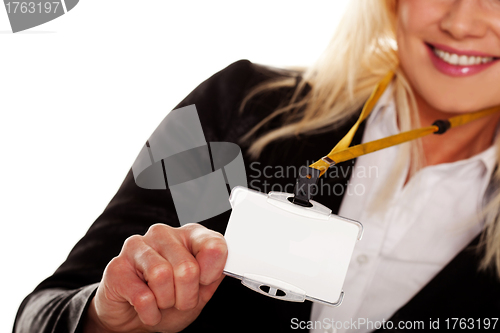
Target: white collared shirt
426, 223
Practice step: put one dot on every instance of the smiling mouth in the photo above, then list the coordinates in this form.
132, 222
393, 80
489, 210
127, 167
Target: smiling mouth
460, 59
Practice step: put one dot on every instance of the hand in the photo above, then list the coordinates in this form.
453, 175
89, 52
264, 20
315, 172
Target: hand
159, 282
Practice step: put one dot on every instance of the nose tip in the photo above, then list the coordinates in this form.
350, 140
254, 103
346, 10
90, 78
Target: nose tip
465, 19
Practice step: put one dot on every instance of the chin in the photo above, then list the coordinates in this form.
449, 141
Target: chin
450, 97
453, 105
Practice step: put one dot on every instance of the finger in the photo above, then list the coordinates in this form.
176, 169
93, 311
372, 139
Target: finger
186, 278
156, 272
185, 267
210, 249
207, 291
128, 285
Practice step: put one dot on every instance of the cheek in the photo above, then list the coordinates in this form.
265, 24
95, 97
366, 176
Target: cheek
417, 21
414, 16
408, 28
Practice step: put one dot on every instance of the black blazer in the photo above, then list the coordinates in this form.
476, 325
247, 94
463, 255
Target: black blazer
58, 303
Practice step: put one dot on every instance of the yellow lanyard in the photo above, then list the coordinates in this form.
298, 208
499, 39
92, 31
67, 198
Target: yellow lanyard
342, 152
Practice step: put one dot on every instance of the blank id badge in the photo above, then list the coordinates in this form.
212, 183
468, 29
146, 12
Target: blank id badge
287, 251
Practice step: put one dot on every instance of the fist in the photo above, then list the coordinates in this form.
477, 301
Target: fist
159, 282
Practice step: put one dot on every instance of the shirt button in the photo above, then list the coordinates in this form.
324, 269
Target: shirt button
362, 259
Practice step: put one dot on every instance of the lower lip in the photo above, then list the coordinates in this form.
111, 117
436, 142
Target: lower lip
453, 70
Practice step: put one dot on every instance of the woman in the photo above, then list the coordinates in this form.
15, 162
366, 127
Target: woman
420, 211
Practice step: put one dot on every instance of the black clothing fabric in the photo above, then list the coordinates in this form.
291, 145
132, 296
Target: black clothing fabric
58, 303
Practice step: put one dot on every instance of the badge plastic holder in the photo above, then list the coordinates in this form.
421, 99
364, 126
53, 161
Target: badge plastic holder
288, 251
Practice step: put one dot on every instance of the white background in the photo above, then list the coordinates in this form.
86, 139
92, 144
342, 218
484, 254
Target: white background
80, 95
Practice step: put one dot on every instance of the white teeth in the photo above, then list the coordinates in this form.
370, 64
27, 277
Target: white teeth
454, 59
462, 60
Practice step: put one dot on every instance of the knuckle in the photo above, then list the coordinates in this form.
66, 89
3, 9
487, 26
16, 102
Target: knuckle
217, 234
142, 300
157, 230
160, 273
216, 247
132, 242
115, 265
190, 227
187, 272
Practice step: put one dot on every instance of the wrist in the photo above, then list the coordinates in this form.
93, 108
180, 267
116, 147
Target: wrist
92, 323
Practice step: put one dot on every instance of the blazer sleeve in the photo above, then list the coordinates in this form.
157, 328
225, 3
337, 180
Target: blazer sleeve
58, 303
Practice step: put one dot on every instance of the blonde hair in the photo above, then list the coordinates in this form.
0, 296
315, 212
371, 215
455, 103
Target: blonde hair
361, 52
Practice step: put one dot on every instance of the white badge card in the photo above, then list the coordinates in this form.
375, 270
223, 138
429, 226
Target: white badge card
287, 251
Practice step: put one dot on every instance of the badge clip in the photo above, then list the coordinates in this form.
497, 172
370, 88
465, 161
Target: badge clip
305, 186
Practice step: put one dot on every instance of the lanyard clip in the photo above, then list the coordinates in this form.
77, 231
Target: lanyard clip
305, 186
442, 125
328, 160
